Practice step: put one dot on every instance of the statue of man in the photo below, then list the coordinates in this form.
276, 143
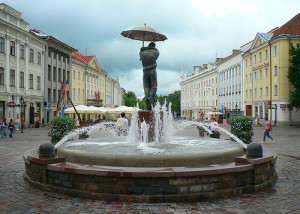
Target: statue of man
148, 56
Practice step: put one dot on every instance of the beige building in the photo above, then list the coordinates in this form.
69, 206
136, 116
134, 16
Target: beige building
267, 88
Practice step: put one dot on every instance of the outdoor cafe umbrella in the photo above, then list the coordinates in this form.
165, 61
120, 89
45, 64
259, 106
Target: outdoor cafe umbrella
144, 33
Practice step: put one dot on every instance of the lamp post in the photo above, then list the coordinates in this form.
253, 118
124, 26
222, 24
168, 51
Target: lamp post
236, 109
21, 103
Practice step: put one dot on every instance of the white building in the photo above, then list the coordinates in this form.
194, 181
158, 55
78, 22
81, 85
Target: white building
199, 91
230, 83
21, 68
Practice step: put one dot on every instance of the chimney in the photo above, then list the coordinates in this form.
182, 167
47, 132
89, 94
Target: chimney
235, 50
219, 60
204, 66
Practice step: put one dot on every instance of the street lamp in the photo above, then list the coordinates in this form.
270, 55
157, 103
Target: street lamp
215, 111
21, 103
236, 109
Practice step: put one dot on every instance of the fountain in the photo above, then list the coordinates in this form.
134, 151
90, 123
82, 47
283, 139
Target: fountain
152, 164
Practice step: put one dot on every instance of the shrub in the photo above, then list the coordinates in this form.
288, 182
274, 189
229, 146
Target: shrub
241, 126
60, 126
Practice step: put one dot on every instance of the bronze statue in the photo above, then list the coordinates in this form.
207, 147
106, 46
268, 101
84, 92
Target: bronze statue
148, 56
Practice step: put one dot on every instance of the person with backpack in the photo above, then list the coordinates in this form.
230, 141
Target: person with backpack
268, 128
3, 125
122, 125
11, 127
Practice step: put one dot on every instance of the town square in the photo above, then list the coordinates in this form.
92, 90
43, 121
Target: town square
127, 107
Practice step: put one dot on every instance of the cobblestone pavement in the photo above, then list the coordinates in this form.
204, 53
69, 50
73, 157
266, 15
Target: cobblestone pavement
16, 196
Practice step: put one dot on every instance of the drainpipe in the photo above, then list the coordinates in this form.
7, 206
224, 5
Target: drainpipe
270, 119
290, 111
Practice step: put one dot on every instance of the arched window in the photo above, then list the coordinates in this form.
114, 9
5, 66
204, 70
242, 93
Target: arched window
12, 48
2, 45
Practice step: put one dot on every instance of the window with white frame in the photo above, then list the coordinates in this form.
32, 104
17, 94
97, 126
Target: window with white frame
246, 93
78, 93
22, 51
267, 72
275, 90
1, 76
255, 75
260, 92
275, 70
39, 58
2, 45
246, 78
254, 59
246, 63
12, 48
78, 75
260, 74
74, 74
74, 98
250, 93
267, 91
12, 77
31, 55
21, 79
31, 81
260, 56
275, 50
255, 92
38, 82
266, 54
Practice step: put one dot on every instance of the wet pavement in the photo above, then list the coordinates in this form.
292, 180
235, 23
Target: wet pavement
16, 196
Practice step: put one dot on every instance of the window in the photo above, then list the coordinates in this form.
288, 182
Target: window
260, 56
250, 77
31, 81
22, 49
38, 83
246, 63
266, 54
12, 78
254, 59
73, 74
255, 93
12, 48
54, 74
275, 70
49, 72
31, 55
260, 74
49, 52
212, 92
250, 93
2, 46
54, 95
267, 72
254, 75
78, 93
83, 94
39, 58
260, 92
68, 75
21, 79
275, 50
49, 95
246, 79
1, 76
275, 90
59, 74
250, 61
267, 91
78, 75
74, 96
64, 75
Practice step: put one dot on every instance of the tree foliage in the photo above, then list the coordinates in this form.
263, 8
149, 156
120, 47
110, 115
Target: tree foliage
130, 99
294, 76
241, 126
60, 126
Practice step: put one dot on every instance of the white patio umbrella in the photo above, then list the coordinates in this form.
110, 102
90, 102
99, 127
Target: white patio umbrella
81, 109
125, 109
214, 113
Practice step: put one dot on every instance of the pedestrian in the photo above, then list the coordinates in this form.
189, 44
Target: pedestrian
122, 125
3, 125
214, 127
11, 127
268, 128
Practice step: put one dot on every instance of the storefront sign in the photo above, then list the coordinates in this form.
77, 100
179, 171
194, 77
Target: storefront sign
11, 104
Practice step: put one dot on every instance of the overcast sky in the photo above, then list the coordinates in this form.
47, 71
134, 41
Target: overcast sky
197, 31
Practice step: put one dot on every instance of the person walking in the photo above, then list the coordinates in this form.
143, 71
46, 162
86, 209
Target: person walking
268, 128
3, 125
11, 127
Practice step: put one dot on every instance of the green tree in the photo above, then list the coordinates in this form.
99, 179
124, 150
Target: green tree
130, 99
294, 76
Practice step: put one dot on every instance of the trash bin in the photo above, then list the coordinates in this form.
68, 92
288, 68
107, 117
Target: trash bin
37, 124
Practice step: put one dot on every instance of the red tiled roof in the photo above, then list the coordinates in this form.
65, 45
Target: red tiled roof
80, 57
291, 27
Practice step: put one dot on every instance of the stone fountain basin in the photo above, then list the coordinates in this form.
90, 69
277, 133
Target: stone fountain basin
186, 157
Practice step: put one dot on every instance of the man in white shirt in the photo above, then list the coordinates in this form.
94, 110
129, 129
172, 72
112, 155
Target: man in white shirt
122, 125
214, 127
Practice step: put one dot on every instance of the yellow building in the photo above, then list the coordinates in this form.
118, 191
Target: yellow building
266, 86
88, 81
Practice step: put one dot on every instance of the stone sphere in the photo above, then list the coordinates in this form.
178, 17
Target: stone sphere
254, 150
47, 150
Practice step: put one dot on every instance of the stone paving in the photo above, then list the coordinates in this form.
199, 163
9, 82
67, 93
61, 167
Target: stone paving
16, 196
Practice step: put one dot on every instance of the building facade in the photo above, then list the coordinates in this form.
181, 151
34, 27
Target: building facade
21, 69
199, 92
266, 63
230, 83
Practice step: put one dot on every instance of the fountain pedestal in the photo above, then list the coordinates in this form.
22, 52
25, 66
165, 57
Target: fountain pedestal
149, 118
